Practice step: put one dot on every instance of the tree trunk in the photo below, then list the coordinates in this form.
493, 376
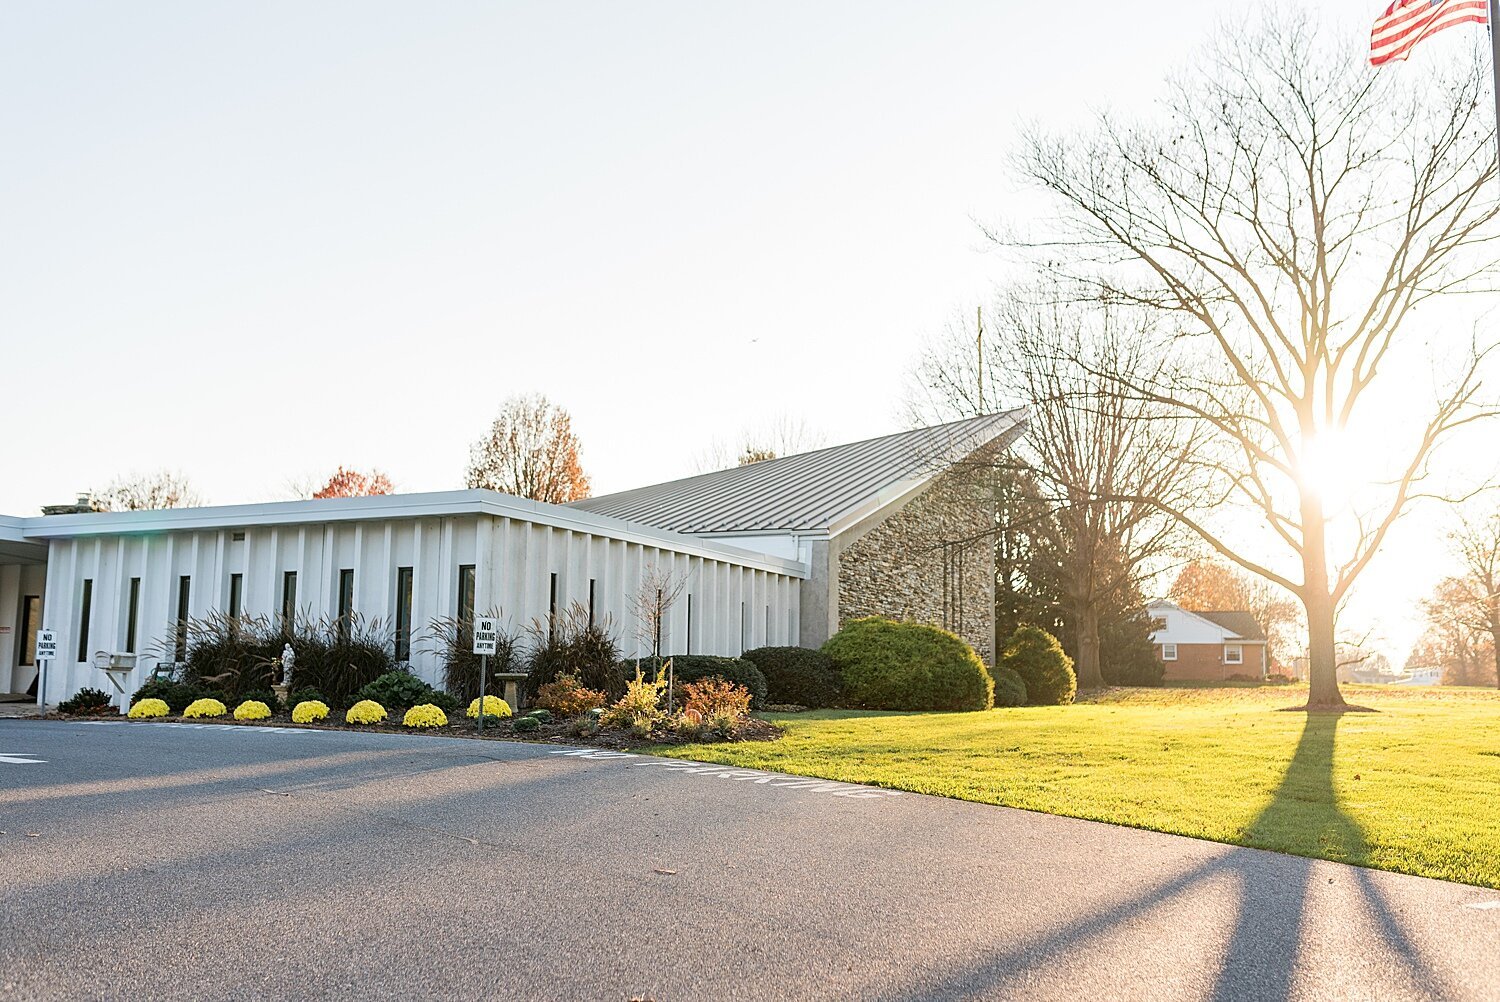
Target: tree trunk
1086, 616
1495, 632
1317, 598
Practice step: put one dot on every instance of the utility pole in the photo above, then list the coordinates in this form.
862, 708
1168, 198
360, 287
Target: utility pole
979, 324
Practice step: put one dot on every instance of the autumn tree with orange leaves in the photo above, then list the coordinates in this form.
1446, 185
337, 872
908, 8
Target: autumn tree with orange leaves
347, 483
531, 452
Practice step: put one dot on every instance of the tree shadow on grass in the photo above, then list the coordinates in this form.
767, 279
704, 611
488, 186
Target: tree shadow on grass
1302, 819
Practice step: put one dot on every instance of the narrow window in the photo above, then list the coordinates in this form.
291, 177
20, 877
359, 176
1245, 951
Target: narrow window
591, 601
85, 612
743, 624
288, 601
466, 593
31, 621
184, 594
766, 637
688, 643
552, 609
1169, 652
132, 613
236, 594
403, 613
346, 602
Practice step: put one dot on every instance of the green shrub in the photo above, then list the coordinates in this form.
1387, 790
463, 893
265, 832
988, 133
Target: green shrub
891, 665
525, 725
401, 689
798, 675
86, 701
1038, 658
177, 695
692, 667
1010, 688
544, 716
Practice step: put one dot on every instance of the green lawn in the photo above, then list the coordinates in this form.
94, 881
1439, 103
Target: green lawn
1413, 788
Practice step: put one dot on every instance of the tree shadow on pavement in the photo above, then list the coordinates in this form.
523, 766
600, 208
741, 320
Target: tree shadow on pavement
1260, 958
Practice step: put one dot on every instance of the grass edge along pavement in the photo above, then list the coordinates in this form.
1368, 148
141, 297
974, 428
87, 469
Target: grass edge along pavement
1413, 788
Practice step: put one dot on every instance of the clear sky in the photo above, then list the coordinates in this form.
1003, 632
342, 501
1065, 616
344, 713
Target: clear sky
253, 241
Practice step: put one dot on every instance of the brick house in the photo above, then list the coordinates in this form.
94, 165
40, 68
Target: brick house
1207, 646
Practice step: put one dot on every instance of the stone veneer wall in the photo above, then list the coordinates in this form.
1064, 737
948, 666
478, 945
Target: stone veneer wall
897, 568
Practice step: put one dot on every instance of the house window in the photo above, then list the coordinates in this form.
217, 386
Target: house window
591, 601
743, 624
403, 613
236, 594
132, 613
184, 593
288, 601
346, 603
688, 643
1169, 652
466, 593
1234, 654
85, 611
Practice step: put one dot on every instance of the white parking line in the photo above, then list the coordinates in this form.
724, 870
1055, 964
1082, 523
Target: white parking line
17, 759
753, 776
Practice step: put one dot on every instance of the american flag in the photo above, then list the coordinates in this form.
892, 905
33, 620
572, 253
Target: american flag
1407, 22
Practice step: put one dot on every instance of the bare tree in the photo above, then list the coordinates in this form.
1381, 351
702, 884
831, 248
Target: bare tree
1286, 215
651, 603
1474, 598
530, 452
1094, 454
149, 491
783, 435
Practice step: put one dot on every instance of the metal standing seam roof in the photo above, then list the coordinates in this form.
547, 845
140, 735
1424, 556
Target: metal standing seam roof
807, 492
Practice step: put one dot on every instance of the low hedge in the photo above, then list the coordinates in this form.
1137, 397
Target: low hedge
798, 675
902, 665
1038, 658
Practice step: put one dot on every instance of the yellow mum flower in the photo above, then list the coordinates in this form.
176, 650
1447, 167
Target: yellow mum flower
425, 715
309, 711
252, 709
494, 706
366, 711
146, 708
205, 708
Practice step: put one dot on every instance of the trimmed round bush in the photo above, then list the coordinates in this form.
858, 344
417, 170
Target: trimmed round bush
891, 665
366, 711
425, 715
205, 708
402, 688
798, 675
1010, 688
309, 711
1036, 656
144, 709
525, 725
252, 709
494, 706
545, 716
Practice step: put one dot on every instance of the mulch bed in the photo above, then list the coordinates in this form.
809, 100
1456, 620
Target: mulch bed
554, 732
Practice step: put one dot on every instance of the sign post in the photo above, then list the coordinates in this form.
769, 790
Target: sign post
486, 629
46, 650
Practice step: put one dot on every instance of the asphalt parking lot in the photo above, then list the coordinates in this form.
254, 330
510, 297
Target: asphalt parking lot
211, 861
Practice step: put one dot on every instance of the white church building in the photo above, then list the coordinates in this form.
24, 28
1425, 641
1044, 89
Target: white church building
765, 573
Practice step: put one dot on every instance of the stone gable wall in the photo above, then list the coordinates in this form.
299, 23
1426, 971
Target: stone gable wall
898, 568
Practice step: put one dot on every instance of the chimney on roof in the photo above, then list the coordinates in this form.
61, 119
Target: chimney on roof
84, 505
